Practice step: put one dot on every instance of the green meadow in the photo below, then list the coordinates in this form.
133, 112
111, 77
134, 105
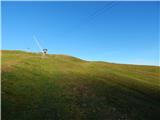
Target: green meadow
62, 87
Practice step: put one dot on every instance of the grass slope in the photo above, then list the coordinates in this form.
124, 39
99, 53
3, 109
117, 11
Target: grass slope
60, 87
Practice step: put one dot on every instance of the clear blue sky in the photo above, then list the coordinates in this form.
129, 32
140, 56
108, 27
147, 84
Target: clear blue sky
121, 32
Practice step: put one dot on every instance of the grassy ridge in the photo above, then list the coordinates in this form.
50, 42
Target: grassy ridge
60, 87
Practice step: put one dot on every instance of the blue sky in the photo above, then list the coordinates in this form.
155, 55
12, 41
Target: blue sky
121, 32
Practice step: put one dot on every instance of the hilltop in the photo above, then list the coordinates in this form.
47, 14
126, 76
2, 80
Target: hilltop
61, 87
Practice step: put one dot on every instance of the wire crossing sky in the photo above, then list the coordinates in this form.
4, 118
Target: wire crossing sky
113, 31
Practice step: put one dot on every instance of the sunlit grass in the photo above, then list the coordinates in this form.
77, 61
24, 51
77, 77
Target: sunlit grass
60, 87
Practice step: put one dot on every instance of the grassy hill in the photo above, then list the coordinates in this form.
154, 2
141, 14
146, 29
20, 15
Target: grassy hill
60, 87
